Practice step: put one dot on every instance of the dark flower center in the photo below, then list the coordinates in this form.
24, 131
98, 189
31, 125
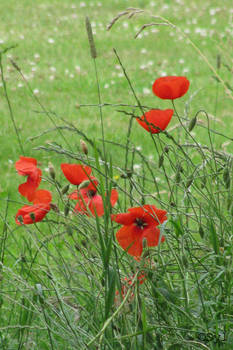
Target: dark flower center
91, 193
140, 223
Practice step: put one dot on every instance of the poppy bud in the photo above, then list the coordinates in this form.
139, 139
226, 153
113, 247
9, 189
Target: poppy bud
185, 261
84, 147
201, 231
84, 184
229, 202
218, 61
192, 123
32, 216
203, 182
161, 159
178, 177
69, 230
67, 209
166, 149
54, 207
20, 219
65, 189
52, 171
226, 177
189, 182
144, 243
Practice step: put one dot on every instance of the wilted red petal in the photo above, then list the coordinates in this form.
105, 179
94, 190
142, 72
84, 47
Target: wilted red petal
155, 117
42, 196
76, 173
129, 238
82, 205
39, 211
74, 195
170, 87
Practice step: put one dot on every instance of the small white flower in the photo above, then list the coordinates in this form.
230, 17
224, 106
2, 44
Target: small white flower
51, 40
51, 77
139, 148
1, 41
20, 85
106, 86
143, 51
137, 166
36, 56
21, 36
71, 75
82, 4
36, 91
53, 69
146, 91
78, 69
186, 70
120, 75
143, 66
125, 25
181, 60
34, 69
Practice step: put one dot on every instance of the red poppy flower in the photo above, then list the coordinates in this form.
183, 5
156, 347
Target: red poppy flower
90, 201
76, 173
138, 224
170, 88
26, 166
156, 117
36, 212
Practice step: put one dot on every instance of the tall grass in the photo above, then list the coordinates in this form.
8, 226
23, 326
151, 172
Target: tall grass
64, 289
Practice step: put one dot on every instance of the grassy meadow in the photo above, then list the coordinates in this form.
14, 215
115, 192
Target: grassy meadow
61, 280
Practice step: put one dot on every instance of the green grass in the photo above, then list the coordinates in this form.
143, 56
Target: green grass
58, 282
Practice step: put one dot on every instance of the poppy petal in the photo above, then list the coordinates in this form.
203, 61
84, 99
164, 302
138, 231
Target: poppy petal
113, 197
96, 205
155, 117
42, 196
25, 165
152, 235
39, 211
130, 239
76, 173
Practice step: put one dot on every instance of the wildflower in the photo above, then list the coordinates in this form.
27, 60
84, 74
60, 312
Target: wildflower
76, 173
126, 283
26, 166
155, 118
30, 214
90, 201
170, 87
138, 224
